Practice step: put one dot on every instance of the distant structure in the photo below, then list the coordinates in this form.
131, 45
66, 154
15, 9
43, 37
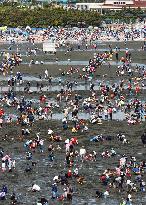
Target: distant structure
112, 5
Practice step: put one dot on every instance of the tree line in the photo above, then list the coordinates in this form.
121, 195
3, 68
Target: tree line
12, 16
44, 17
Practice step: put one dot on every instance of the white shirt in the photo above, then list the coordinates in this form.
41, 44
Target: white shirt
36, 187
82, 151
50, 132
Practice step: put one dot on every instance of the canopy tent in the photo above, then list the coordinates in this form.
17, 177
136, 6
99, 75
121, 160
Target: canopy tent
49, 47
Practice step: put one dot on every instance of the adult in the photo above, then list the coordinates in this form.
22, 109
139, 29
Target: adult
143, 139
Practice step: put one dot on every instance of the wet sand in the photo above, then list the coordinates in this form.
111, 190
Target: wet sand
42, 174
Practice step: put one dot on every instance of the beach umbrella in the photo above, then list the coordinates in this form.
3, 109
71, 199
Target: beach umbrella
28, 28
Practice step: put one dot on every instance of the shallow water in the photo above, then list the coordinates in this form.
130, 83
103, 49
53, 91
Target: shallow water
116, 116
23, 52
52, 88
119, 116
27, 77
93, 201
92, 49
59, 116
84, 63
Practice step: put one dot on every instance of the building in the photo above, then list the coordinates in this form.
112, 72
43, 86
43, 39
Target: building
112, 5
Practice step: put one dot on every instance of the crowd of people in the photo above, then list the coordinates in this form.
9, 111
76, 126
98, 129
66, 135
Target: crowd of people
114, 32
104, 102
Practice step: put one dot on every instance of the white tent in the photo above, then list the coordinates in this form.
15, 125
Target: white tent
49, 47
